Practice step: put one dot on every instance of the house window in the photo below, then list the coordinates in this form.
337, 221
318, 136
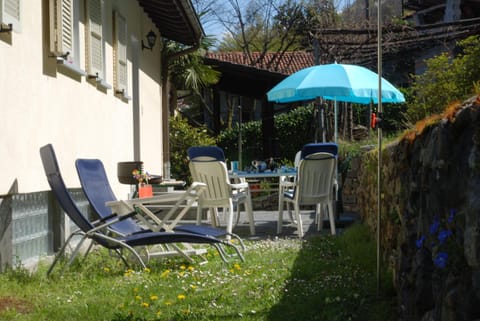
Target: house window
95, 46
120, 72
64, 34
10, 14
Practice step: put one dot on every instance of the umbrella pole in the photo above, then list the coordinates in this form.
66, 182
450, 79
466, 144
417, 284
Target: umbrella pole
335, 120
324, 129
240, 164
379, 169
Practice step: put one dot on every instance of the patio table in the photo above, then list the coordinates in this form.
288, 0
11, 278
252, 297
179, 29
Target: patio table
264, 174
281, 175
178, 203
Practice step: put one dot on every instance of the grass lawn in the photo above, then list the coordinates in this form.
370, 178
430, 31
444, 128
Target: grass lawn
319, 278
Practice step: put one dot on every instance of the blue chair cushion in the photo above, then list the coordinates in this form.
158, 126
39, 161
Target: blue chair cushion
311, 148
211, 151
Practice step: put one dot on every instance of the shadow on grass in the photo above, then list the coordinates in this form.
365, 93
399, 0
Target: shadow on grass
334, 278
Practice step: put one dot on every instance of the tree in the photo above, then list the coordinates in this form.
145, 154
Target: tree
260, 27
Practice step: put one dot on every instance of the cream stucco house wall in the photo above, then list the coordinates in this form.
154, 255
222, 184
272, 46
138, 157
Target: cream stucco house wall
46, 98
75, 73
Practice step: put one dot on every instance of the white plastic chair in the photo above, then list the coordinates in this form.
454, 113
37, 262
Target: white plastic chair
220, 192
313, 186
298, 156
289, 181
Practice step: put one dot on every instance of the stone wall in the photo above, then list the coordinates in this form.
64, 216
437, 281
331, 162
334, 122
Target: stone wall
430, 222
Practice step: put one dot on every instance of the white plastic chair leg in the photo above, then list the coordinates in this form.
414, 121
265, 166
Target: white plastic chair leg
230, 219
299, 220
213, 216
249, 210
199, 215
331, 216
280, 213
320, 216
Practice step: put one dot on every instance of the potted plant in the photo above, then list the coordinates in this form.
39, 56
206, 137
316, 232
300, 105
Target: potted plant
144, 188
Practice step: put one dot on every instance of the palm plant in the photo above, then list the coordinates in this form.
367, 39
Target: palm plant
188, 72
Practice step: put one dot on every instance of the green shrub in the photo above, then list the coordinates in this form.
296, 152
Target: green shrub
251, 141
292, 130
183, 136
445, 81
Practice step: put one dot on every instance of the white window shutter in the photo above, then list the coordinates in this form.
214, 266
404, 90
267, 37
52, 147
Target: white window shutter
61, 28
120, 54
10, 13
95, 38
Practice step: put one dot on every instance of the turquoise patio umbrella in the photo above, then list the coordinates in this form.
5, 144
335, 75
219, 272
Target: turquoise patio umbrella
347, 83
337, 82
340, 82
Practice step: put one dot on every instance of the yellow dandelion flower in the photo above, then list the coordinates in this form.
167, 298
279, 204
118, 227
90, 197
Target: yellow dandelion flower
191, 268
182, 267
145, 304
181, 273
146, 270
153, 297
137, 297
106, 269
165, 273
237, 266
181, 297
193, 286
159, 313
168, 303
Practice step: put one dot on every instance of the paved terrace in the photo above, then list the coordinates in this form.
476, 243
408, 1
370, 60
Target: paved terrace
266, 224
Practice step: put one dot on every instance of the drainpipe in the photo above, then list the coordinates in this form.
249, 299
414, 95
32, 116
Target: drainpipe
165, 102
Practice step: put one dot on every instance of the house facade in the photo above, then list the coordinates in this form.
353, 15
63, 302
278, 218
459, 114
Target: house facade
85, 76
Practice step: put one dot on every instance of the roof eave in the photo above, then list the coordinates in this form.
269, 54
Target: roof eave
175, 19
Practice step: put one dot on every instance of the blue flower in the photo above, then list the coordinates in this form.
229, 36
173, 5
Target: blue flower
443, 235
435, 225
451, 217
419, 242
441, 260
